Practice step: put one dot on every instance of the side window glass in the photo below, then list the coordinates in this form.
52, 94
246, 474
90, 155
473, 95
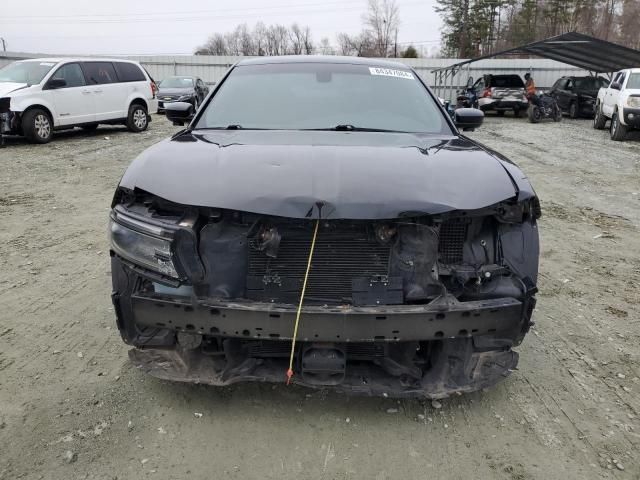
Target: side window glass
569, 84
99, 73
129, 72
70, 73
623, 76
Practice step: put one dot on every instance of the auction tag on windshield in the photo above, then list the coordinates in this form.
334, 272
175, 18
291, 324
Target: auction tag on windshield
388, 72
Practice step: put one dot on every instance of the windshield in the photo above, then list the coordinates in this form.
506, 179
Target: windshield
591, 83
177, 82
303, 96
634, 81
30, 73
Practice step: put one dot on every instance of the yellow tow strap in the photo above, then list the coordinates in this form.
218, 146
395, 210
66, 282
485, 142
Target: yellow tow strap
304, 287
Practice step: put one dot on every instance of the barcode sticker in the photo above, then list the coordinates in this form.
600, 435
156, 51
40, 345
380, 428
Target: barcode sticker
388, 72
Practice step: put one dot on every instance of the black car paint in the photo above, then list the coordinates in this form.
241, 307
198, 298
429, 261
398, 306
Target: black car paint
351, 173
565, 95
355, 176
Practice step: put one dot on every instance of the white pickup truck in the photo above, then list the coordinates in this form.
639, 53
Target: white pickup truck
619, 102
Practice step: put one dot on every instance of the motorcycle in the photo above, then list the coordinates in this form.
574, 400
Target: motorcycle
467, 98
542, 107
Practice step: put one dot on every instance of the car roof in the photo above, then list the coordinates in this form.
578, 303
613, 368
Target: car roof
373, 62
76, 59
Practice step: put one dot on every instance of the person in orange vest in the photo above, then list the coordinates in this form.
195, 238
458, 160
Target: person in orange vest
530, 88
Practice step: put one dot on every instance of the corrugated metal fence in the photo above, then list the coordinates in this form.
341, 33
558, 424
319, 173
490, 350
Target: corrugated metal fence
212, 68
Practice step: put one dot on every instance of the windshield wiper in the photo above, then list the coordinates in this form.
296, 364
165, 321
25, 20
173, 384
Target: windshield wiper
352, 128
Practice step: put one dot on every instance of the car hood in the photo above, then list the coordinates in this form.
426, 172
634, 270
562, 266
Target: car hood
174, 91
7, 87
355, 175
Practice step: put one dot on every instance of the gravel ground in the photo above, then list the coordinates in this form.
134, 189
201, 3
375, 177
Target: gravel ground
72, 407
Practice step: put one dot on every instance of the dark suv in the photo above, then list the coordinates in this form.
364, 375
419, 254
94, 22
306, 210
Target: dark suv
577, 95
325, 211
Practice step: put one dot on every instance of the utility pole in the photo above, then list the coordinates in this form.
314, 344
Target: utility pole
395, 48
4, 44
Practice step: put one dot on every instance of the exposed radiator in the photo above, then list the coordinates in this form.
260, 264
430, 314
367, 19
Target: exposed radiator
339, 257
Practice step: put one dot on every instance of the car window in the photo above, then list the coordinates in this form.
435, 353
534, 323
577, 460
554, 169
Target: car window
201, 84
300, 96
70, 73
98, 73
570, 84
634, 81
177, 82
590, 83
129, 72
506, 81
557, 85
31, 72
479, 85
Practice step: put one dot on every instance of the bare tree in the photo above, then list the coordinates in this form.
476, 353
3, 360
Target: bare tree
215, 45
325, 47
382, 20
361, 45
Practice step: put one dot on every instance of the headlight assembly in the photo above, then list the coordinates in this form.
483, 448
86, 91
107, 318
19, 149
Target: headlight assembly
185, 98
633, 102
143, 244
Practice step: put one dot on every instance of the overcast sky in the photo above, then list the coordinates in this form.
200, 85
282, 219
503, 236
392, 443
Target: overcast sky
178, 26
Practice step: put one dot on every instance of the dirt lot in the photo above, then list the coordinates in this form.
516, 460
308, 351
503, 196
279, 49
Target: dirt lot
571, 411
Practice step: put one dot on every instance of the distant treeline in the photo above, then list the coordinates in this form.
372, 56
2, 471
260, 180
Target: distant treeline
478, 27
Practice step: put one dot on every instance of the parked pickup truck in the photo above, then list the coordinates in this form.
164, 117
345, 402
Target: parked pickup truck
619, 102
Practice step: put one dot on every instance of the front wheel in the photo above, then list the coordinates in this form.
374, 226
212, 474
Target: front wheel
37, 126
573, 110
534, 114
557, 116
137, 119
618, 131
599, 120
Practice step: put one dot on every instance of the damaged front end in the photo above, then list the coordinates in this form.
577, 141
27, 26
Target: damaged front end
418, 305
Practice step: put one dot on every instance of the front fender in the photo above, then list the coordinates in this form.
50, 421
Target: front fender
20, 105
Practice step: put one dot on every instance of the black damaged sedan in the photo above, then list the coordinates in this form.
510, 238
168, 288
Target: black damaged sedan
323, 220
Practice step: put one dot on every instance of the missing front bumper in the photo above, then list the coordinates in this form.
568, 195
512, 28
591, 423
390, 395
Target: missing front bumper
330, 324
458, 368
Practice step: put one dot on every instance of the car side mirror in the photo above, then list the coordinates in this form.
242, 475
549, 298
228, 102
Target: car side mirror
179, 112
616, 86
468, 119
56, 83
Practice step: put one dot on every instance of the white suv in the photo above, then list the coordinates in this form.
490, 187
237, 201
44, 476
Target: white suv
43, 95
620, 102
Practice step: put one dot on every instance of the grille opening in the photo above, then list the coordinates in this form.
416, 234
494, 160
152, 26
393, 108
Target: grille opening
453, 234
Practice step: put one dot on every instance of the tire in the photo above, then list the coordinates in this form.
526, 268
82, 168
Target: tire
534, 114
557, 117
37, 126
138, 118
573, 110
617, 130
89, 128
599, 120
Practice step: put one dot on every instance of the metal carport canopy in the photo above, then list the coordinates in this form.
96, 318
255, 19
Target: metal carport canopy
577, 49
